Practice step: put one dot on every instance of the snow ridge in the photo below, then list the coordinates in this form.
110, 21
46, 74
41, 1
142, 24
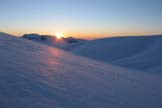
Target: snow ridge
138, 52
33, 75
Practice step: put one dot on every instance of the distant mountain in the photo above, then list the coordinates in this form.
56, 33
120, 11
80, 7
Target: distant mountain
34, 75
65, 43
136, 52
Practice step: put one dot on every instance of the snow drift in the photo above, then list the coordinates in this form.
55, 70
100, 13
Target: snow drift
38, 76
139, 52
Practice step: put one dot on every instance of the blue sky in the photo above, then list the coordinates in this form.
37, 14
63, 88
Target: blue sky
81, 18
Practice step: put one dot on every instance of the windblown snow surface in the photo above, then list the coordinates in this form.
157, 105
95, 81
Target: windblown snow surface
136, 52
33, 75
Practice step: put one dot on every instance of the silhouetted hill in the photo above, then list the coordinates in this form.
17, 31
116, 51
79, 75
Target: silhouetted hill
65, 43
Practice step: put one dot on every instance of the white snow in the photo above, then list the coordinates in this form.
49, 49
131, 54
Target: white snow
139, 52
33, 75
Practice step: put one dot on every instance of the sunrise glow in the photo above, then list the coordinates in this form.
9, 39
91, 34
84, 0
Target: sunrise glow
59, 35
81, 18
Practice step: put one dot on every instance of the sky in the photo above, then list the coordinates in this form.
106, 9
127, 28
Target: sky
81, 18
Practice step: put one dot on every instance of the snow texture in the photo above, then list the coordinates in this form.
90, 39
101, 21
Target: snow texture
33, 75
136, 52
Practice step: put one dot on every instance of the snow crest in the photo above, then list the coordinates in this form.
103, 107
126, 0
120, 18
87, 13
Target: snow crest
33, 75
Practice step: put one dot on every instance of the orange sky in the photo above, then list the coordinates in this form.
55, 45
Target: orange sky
82, 35
81, 18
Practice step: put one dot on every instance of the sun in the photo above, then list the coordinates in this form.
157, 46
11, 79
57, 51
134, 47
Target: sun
59, 35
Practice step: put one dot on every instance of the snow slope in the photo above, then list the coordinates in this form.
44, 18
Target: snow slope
139, 52
33, 75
